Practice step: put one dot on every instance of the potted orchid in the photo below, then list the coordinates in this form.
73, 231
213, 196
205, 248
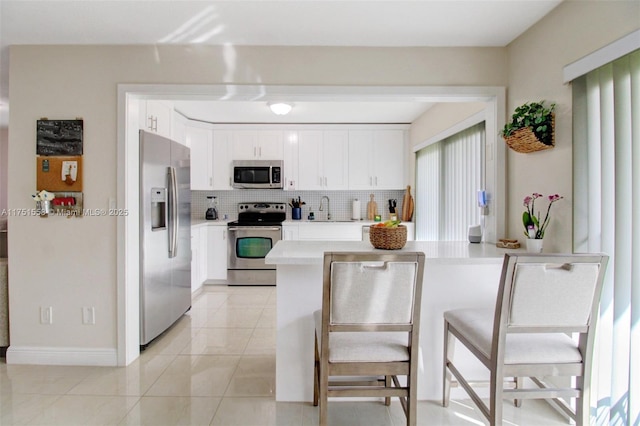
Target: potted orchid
534, 225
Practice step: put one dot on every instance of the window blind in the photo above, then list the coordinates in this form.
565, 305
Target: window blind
449, 174
606, 151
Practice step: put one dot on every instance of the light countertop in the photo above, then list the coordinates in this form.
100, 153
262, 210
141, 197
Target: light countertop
203, 222
335, 222
442, 252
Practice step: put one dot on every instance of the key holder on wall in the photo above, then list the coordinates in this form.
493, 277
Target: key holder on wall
59, 148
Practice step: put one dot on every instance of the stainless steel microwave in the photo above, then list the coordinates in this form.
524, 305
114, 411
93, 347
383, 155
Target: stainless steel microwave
257, 174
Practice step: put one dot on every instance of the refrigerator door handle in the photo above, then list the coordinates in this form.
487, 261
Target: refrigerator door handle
173, 212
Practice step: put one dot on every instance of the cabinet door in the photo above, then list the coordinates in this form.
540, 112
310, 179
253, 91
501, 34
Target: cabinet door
289, 232
217, 253
270, 145
179, 128
360, 158
290, 174
310, 151
335, 160
200, 141
202, 254
195, 259
222, 146
245, 144
388, 159
158, 118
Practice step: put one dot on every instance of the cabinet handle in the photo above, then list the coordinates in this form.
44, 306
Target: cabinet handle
260, 152
320, 180
210, 181
376, 180
150, 125
254, 151
224, 234
370, 180
325, 181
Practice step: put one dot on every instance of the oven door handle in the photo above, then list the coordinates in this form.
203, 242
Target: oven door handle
262, 228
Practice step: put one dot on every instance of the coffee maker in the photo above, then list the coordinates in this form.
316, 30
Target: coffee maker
212, 210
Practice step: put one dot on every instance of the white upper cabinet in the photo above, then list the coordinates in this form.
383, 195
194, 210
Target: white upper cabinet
156, 117
200, 141
290, 173
222, 152
179, 128
323, 160
376, 159
257, 145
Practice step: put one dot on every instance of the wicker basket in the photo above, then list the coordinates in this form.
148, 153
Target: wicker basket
524, 140
388, 238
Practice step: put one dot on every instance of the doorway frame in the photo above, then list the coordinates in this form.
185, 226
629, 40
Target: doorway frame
130, 95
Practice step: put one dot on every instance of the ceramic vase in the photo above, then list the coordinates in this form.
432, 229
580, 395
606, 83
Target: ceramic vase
534, 245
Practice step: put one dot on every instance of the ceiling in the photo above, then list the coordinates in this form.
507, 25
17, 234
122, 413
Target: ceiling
265, 22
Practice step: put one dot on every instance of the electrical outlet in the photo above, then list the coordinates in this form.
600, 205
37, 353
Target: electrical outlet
46, 315
88, 315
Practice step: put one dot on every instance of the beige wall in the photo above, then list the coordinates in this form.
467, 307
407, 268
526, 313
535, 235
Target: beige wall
71, 263
441, 117
4, 148
536, 60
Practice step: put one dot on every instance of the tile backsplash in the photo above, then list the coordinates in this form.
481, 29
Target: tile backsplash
341, 202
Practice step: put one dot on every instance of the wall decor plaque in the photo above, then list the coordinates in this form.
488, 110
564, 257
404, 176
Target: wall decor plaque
59, 137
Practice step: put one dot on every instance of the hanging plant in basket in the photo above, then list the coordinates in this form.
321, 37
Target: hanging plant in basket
531, 128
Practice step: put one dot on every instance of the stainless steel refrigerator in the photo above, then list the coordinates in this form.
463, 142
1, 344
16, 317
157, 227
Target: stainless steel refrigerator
165, 234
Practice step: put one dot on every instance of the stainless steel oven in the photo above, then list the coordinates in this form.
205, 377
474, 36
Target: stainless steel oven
251, 237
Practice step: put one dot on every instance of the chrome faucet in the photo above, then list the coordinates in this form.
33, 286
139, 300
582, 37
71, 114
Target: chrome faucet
328, 206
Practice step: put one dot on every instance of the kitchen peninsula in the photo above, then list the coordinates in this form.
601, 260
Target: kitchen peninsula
457, 275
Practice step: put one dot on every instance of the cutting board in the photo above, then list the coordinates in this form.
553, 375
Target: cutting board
372, 208
407, 205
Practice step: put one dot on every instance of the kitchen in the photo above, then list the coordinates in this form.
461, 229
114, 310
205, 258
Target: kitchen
385, 178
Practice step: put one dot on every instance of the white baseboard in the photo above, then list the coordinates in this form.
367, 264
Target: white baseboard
102, 357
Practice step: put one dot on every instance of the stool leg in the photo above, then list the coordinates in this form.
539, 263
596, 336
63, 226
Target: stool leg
449, 346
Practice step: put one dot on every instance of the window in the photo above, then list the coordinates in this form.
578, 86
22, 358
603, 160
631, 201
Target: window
449, 174
606, 152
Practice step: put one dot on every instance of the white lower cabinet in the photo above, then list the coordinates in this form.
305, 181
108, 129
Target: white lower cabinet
208, 254
217, 253
332, 231
196, 280
290, 232
322, 231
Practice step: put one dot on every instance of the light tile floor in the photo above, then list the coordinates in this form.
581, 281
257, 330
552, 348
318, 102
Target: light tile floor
215, 366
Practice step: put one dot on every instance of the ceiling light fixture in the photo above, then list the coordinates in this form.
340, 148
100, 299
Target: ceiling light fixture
280, 108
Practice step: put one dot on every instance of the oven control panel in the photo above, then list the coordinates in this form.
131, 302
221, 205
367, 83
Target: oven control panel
261, 207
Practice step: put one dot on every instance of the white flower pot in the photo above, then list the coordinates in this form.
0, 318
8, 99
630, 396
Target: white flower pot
534, 245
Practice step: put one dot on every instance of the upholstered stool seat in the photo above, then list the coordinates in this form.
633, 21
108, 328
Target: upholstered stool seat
525, 348
367, 333
543, 301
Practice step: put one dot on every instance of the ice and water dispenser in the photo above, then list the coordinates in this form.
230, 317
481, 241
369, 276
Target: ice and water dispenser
158, 209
